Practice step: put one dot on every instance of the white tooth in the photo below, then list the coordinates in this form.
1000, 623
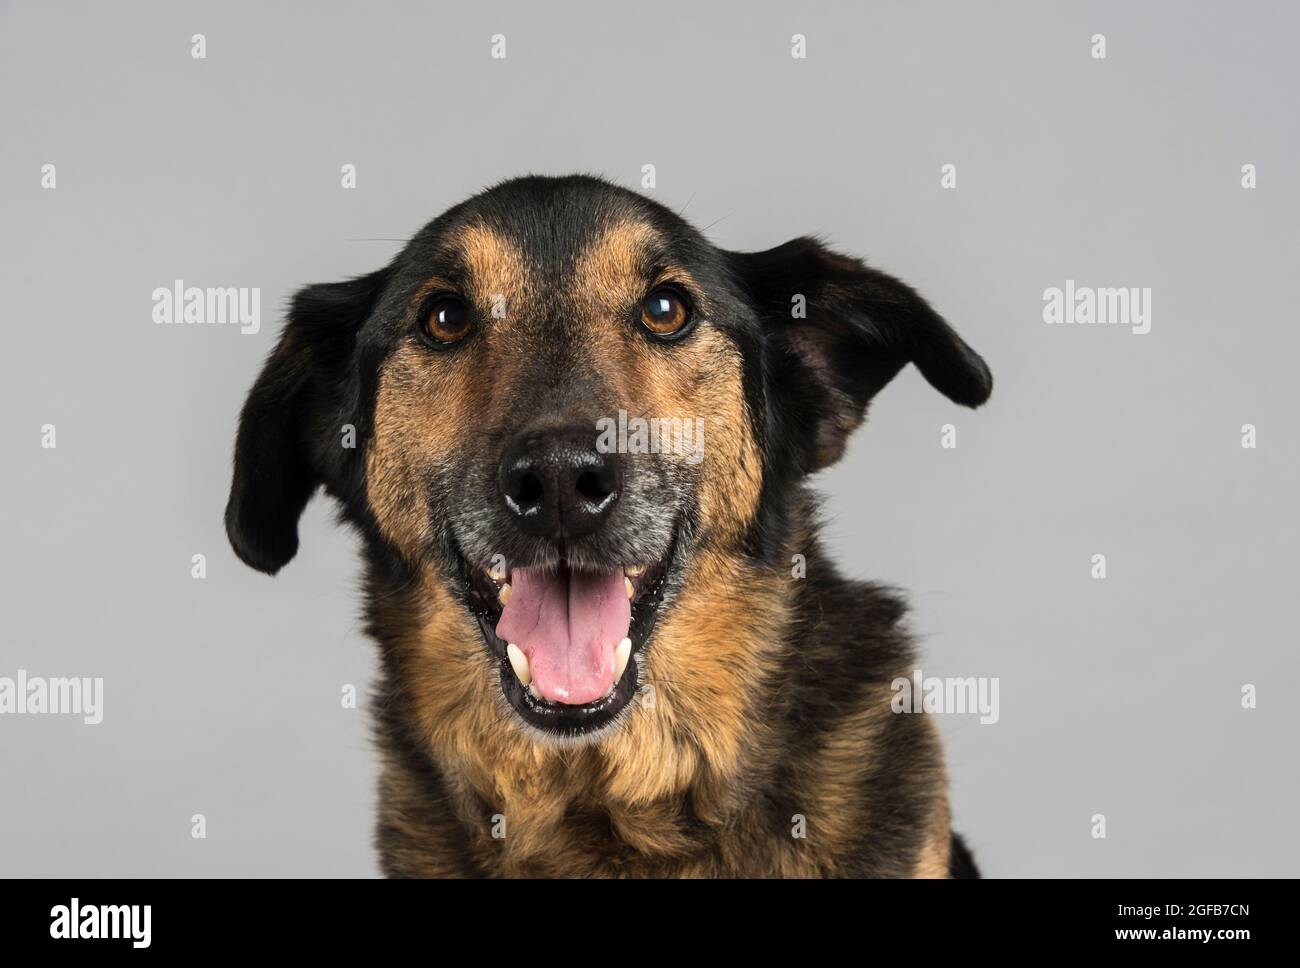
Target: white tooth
627, 585
621, 655
519, 662
533, 691
504, 594
633, 570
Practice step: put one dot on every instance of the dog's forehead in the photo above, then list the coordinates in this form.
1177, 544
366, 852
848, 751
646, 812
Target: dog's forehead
603, 253
536, 235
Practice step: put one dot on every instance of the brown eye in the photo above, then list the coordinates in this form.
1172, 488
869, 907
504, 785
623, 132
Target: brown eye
446, 319
664, 313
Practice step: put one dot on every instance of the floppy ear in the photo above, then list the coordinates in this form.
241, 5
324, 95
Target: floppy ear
292, 416
859, 328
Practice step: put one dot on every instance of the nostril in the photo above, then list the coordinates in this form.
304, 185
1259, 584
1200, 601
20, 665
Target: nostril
592, 486
529, 490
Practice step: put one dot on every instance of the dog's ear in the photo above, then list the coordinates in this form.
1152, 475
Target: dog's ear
836, 331
290, 419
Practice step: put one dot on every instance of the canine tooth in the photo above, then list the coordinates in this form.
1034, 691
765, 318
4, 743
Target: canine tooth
519, 662
627, 585
504, 594
632, 571
621, 655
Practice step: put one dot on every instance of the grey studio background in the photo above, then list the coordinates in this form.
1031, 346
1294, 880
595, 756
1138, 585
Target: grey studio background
1119, 696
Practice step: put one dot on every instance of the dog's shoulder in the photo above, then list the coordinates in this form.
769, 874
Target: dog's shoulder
859, 628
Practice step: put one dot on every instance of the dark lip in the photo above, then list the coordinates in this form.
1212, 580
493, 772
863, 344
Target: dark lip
559, 720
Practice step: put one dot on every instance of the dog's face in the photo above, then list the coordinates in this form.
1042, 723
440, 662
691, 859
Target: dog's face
555, 400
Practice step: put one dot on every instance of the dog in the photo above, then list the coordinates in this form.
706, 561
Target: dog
605, 654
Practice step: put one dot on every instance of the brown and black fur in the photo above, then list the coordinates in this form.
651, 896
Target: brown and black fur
763, 700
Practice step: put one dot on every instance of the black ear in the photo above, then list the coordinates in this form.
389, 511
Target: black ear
858, 328
292, 416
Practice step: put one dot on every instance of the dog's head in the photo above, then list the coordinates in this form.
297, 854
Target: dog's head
556, 399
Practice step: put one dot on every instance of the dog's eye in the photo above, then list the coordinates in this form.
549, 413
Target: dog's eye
446, 319
665, 313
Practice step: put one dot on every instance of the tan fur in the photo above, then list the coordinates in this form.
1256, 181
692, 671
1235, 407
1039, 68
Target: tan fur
425, 402
495, 265
689, 724
421, 409
613, 269
702, 380
937, 852
692, 751
693, 733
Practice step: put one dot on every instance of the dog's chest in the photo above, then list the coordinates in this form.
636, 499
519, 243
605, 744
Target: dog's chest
568, 823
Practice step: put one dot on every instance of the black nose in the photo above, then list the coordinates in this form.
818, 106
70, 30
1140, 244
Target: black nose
557, 484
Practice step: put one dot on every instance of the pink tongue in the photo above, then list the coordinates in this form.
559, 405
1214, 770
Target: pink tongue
568, 624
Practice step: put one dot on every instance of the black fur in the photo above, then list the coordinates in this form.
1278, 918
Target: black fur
807, 383
962, 865
812, 378
288, 430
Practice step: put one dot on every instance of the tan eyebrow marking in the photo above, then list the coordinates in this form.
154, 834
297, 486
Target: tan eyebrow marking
613, 269
495, 266
432, 284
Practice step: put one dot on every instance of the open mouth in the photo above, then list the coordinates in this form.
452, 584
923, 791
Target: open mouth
569, 641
